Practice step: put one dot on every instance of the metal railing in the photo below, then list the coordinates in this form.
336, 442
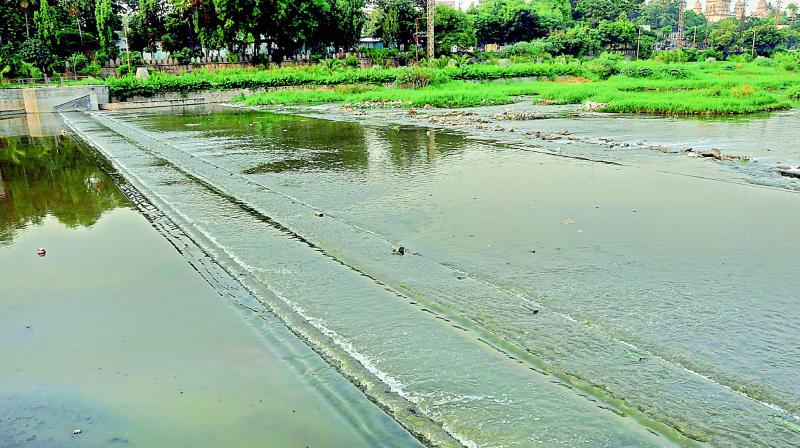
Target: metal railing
47, 81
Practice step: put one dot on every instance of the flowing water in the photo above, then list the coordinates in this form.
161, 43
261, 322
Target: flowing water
542, 300
115, 334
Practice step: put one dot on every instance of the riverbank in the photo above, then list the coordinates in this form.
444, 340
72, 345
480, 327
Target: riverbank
609, 83
114, 335
639, 88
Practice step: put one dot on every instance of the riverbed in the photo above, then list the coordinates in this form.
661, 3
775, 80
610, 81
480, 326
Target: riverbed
553, 291
126, 333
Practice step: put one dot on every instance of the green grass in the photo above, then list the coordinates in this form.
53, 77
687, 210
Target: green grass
685, 89
449, 95
157, 83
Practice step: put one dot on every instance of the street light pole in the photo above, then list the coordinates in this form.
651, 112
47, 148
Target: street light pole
681, 23
430, 38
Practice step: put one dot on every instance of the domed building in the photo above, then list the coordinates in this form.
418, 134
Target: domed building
717, 10
761, 10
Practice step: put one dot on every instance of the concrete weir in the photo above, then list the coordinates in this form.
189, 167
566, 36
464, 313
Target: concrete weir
39, 100
38, 106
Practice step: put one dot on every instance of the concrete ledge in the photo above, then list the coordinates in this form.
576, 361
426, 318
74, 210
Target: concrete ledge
9, 113
47, 99
126, 105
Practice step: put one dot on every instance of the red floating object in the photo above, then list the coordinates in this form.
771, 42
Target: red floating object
41, 252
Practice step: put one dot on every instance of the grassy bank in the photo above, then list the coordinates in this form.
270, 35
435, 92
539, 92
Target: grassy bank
686, 89
319, 76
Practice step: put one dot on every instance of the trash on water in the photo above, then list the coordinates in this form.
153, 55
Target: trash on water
41, 252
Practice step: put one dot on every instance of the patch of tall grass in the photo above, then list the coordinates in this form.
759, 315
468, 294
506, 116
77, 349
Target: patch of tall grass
127, 87
637, 87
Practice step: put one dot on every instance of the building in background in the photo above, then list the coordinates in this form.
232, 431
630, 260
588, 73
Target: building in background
717, 10
762, 10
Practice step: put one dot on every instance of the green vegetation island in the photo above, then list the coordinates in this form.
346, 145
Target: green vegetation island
631, 56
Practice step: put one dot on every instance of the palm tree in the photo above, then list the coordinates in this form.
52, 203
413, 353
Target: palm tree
792, 8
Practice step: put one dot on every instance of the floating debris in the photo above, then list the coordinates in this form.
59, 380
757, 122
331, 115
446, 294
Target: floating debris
400, 250
41, 252
789, 172
568, 221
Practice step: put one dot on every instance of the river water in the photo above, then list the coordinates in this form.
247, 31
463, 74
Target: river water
542, 301
115, 334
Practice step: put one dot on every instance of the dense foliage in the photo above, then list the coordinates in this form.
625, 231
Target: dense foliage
50, 37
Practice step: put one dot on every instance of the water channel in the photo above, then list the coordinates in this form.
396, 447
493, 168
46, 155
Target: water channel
548, 296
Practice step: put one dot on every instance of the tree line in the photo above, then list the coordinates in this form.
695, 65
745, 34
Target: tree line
41, 36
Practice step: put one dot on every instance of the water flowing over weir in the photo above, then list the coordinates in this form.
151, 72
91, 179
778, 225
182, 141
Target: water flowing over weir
444, 346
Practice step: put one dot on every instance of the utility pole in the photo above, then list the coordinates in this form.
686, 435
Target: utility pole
638, 41
753, 48
416, 40
429, 38
681, 23
742, 18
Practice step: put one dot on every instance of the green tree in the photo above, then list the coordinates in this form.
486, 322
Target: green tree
238, 19
489, 21
579, 40
104, 17
617, 35
348, 23
36, 52
724, 37
523, 23
393, 21
147, 26
792, 9
594, 11
454, 30
768, 38
45, 25
509, 21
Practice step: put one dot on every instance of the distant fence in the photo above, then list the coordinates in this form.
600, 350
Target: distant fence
171, 65
64, 79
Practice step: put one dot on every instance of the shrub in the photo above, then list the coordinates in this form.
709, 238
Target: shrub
415, 77
331, 65
35, 52
183, 56
673, 56
77, 61
351, 62
765, 62
93, 69
650, 69
536, 49
605, 65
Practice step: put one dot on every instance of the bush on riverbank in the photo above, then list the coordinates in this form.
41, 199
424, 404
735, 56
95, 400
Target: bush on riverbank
638, 87
126, 87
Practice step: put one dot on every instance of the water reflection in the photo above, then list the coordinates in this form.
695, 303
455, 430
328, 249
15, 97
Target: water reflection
51, 176
292, 144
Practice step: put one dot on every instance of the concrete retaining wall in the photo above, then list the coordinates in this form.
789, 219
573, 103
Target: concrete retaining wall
46, 99
201, 97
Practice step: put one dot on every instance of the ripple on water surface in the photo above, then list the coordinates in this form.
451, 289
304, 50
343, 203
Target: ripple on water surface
637, 274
